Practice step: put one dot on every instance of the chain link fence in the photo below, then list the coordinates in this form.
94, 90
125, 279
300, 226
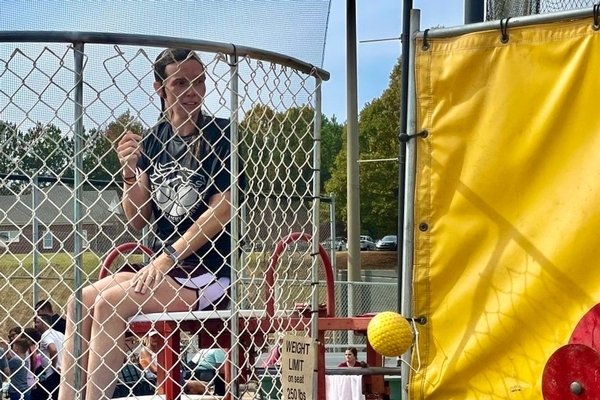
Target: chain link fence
61, 181
377, 292
499, 9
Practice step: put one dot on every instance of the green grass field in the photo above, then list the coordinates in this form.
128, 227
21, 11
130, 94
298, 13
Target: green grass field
54, 280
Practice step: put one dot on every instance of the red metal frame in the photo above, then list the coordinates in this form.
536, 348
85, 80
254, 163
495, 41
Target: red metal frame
169, 331
119, 251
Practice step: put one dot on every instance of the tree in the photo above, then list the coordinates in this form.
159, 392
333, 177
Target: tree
11, 140
379, 124
331, 144
46, 151
256, 131
100, 161
274, 146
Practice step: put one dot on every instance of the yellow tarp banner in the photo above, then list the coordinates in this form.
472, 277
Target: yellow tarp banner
507, 206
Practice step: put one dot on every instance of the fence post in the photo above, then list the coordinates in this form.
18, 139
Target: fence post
78, 51
35, 235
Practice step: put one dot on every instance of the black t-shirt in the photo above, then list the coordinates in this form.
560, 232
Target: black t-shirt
185, 172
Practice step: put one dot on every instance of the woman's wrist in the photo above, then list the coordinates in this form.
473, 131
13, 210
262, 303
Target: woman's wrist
172, 254
130, 178
164, 263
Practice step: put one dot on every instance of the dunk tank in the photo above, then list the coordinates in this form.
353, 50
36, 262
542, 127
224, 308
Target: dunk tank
500, 292
68, 96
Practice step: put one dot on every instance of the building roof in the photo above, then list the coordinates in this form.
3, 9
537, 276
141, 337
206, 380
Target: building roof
56, 207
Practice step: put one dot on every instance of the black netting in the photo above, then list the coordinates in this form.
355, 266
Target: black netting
294, 28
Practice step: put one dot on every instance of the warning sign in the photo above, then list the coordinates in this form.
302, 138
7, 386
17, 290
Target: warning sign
297, 366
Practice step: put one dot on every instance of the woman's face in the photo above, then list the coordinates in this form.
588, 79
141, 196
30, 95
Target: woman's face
153, 343
184, 90
350, 359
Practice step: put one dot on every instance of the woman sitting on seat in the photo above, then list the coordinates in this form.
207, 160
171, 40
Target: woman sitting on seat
176, 177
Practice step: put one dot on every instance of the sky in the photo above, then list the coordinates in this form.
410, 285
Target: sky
118, 78
376, 19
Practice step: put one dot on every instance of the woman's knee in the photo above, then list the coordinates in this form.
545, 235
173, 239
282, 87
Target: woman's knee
116, 300
88, 296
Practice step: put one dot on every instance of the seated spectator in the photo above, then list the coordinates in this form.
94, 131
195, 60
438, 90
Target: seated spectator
44, 307
19, 388
13, 334
207, 371
147, 357
351, 360
17, 333
274, 356
131, 381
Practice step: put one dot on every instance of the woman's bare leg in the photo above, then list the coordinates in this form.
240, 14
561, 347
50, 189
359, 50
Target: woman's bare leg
113, 307
67, 390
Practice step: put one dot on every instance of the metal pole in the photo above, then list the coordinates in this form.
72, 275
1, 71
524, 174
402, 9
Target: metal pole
333, 251
409, 223
35, 236
474, 11
407, 5
333, 235
353, 189
515, 22
77, 214
316, 206
234, 220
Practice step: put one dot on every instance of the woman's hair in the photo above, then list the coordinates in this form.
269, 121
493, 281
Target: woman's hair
171, 56
353, 350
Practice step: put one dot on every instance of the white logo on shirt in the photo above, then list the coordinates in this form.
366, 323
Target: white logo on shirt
175, 195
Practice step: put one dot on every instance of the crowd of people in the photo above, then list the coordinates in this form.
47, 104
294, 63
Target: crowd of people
31, 362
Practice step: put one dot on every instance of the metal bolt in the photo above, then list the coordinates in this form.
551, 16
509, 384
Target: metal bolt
576, 388
423, 227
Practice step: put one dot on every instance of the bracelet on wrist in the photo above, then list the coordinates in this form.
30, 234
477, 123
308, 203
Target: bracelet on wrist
170, 252
129, 181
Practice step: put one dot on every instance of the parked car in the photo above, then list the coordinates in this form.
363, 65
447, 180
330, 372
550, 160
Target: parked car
389, 242
366, 243
252, 247
339, 243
